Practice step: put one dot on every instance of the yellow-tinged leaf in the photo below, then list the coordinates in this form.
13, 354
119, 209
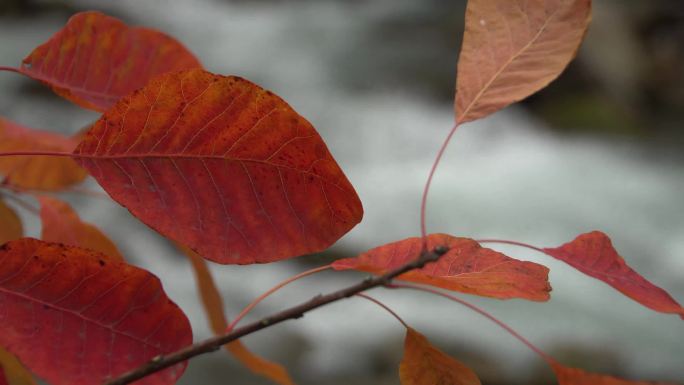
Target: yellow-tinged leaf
10, 224
574, 376
62, 224
213, 306
37, 172
513, 48
423, 364
14, 372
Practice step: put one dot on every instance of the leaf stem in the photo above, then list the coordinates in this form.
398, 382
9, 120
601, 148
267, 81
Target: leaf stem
38, 153
382, 305
482, 312
297, 311
272, 290
426, 190
521, 244
11, 69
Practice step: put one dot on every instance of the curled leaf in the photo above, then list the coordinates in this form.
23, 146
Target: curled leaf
423, 364
37, 172
96, 59
593, 254
513, 48
12, 372
574, 376
222, 166
62, 224
466, 267
77, 317
213, 306
10, 224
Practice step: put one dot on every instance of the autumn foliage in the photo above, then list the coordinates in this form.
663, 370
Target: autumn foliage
232, 174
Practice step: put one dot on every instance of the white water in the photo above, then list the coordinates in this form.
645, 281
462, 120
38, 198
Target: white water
503, 177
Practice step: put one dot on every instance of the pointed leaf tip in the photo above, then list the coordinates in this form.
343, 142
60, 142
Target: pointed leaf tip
466, 267
423, 364
96, 59
512, 49
81, 309
593, 254
222, 166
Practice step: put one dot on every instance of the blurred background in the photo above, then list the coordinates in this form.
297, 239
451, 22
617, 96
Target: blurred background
600, 148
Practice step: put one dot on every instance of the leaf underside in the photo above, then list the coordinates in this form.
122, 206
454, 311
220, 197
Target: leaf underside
222, 166
466, 267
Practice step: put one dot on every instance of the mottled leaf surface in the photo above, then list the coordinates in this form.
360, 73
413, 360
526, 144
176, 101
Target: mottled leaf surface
12, 372
513, 48
76, 317
593, 254
10, 224
574, 376
213, 306
423, 364
37, 172
222, 166
96, 59
466, 267
62, 224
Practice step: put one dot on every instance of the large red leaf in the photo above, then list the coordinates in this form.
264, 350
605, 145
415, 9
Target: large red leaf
222, 166
513, 48
96, 59
593, 254
77, 317
423, 364
10, 224
466, 267
62, 224
574, 376
37, 172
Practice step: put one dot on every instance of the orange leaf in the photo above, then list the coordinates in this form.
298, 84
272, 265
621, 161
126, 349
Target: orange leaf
574, 376
594, 255
62, 224
213, 306
96, 59
74, 316
466, 267
10, 224
12, 372
513, 48
37, 172
423, 364
223, 167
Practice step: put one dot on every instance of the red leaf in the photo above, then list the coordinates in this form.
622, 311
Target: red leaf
223, 167
574, 376
594, 255
466, 267
423, 364
3, 378
96, 59
76, 317
37, 172
62, 224
10, 224
513, 48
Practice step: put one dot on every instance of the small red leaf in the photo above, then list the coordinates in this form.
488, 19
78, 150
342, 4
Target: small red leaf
96, 59
593, 254
574, 376
223, 167
423, 364
77, 317
466, 267
62, 224
37, 172
10, 224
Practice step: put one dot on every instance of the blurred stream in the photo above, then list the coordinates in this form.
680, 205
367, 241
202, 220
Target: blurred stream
507, 177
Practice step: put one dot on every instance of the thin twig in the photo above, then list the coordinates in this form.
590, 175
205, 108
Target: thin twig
212, 344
